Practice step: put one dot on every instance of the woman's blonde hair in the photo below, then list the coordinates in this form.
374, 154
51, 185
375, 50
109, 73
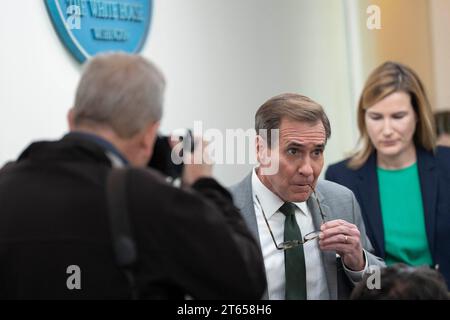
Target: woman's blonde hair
386, 79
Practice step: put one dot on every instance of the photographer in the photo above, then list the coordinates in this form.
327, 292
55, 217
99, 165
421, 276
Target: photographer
75, 226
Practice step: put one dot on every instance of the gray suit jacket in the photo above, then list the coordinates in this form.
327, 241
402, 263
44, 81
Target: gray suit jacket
337, 202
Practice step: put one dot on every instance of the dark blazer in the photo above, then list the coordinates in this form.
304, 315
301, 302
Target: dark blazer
53, 214
434, 175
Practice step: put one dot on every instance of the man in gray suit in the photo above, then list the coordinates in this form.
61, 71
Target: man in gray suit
311, 232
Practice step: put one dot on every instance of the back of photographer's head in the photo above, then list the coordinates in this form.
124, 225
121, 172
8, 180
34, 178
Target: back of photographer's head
402, 282
121, 96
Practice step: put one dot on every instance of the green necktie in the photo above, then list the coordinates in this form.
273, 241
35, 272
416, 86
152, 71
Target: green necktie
294, 258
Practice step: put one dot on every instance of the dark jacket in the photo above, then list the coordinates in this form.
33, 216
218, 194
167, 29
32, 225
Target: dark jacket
53, 214
434, 175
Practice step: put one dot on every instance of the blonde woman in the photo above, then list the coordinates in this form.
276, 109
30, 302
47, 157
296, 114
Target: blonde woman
399, 176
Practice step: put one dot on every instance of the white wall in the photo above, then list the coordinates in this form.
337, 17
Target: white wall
37, 77
222, 60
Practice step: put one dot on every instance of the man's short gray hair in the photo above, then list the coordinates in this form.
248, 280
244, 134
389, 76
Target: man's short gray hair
120, 91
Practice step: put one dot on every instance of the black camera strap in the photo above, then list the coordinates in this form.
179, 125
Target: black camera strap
122, 239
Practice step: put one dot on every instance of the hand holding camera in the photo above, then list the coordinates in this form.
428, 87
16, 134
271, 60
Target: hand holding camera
182, 158
197, 164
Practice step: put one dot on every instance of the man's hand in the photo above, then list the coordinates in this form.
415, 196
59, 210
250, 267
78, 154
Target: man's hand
197, 164
344, 238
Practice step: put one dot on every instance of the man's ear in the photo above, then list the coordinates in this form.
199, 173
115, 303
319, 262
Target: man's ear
262, 150
71, 119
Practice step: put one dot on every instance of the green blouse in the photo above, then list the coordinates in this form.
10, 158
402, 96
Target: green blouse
402, 211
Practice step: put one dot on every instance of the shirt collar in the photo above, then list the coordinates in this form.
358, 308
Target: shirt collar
116, 157
270, 202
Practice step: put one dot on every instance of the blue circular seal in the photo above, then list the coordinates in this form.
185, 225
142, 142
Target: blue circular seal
89, 27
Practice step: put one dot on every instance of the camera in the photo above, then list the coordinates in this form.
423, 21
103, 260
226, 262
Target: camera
162, 160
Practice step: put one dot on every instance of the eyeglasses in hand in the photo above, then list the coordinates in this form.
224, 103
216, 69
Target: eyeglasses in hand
294, 243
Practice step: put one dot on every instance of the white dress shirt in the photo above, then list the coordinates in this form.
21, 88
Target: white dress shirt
316, 282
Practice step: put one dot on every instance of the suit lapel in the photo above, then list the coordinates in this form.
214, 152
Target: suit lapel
245, 202
429, 187
243, 199
328, 257
369, 193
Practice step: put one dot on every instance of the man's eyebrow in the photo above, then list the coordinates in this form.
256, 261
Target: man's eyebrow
302, 146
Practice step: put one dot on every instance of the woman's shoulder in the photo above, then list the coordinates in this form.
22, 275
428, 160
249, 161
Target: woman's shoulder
439, 158
339, 169
340, 165
443, 152
443, 157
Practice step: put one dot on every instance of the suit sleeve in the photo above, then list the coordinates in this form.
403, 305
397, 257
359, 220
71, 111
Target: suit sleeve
219, 258
240, 234
367, 246
222, 199
371, 260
